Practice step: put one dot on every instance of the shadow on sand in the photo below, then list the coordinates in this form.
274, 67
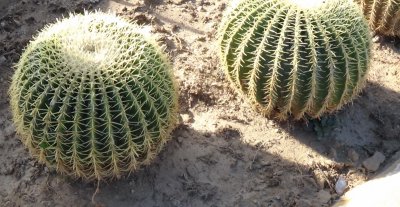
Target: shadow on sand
207, 169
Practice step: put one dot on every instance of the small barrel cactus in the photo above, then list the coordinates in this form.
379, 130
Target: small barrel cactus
383, 16
296, 57
93, 97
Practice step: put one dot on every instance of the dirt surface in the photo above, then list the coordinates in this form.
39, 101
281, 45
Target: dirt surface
223, 153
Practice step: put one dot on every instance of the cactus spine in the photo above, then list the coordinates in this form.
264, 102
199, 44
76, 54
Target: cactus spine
93, 96
383, 16
296, 57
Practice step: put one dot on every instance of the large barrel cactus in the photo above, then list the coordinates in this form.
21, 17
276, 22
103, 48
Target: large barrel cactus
93, 97
296, 57
383, 16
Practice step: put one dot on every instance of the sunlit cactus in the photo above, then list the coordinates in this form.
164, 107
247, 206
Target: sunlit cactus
383, 16
93, 96
295, 57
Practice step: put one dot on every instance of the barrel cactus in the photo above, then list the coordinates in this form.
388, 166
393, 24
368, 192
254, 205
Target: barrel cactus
93, 96
383, 15
295, 57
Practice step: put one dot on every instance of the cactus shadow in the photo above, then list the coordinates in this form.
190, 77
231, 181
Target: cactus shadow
393, 43
208, 169
370, 123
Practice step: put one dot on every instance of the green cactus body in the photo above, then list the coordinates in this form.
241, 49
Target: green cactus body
93, 96
295, 57
383, 15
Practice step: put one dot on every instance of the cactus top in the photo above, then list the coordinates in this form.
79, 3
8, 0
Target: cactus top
307, 4
93, 96
295, 56
304, 5
92, 39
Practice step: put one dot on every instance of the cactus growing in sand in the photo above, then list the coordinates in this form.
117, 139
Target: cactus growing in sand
295, 57
93, 97
383, 15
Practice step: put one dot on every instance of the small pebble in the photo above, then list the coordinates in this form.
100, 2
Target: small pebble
341, 185
372, 164
376, 38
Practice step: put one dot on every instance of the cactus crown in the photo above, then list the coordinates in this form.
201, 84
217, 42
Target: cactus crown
309, 4
295, 57
383, 15
93, 96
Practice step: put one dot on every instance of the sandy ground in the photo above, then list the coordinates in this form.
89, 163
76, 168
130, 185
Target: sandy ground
223, 153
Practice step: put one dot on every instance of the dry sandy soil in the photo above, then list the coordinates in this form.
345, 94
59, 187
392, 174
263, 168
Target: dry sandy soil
223, 153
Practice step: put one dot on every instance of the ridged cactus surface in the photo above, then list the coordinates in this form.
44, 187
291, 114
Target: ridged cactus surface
93, 96
296, 57
383, 15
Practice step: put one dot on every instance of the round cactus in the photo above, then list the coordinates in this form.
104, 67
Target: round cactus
295, 57
383, 16
93, 96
